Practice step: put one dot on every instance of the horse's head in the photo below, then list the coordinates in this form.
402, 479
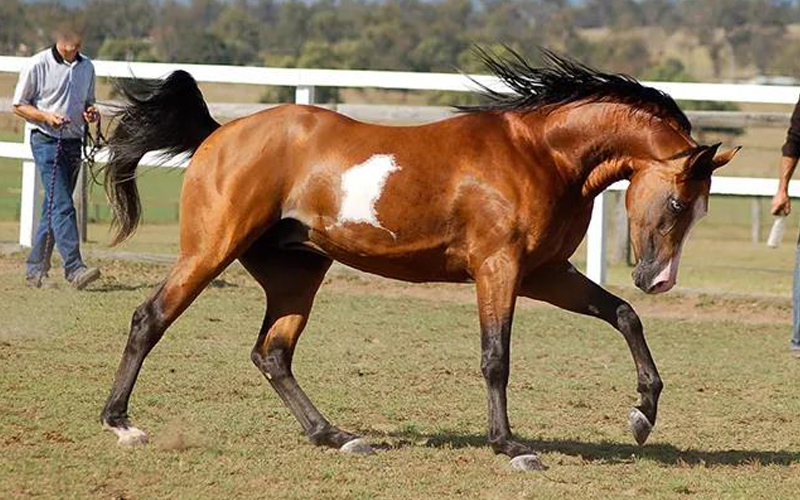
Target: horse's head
664, 200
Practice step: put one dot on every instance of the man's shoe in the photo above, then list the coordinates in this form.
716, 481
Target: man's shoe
84, 276
34, 280
795, 352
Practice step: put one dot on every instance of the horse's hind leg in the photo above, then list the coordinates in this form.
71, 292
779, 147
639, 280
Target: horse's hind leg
291, 280
185, 281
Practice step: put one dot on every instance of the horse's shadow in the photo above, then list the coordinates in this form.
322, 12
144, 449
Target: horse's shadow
117, 287
610, 452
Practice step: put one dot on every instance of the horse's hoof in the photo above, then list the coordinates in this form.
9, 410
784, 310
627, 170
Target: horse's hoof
128, 436
527, 462
640, 425
357, 446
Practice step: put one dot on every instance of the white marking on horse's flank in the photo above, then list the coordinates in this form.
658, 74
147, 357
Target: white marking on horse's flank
130, 436
362, 186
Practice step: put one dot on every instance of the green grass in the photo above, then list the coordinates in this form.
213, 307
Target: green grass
400, 364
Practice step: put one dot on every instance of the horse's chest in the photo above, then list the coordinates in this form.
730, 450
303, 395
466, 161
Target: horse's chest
557, 237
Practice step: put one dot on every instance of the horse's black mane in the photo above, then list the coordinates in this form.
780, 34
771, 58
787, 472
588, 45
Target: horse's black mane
562, 81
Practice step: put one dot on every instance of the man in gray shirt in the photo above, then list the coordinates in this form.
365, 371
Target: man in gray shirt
55, 95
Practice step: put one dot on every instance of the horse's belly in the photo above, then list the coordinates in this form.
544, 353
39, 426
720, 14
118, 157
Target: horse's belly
418, 261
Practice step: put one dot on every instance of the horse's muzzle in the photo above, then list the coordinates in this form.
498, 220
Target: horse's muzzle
652, 278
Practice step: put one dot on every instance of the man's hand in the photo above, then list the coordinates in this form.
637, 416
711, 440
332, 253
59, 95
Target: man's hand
55, 120
781, 204
91, 114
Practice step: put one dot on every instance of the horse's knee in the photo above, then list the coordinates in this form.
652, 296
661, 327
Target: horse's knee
494, 363
627, 319
146, 327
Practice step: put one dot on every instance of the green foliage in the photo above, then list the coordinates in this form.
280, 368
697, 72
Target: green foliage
416, 35
128, 49
670, 70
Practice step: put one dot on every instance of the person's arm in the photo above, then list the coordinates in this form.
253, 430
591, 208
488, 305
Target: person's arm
781, 203
25, 95
34, 114
91, 114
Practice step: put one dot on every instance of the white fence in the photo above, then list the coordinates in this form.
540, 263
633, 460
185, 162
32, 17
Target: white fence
306, 80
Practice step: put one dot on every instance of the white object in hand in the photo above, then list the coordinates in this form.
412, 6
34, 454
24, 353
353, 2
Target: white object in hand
776, 233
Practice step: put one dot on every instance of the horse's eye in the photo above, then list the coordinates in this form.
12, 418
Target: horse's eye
676, 205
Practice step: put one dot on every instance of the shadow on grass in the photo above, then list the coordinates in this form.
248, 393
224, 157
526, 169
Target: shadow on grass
612, 452
118, 287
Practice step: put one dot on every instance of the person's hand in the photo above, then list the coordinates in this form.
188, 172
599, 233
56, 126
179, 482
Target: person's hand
55, 120
781, 204
91, 114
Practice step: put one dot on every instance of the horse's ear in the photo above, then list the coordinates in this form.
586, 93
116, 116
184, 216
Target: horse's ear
723, 157
707, 159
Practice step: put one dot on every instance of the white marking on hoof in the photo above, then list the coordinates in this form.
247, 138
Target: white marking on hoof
527, 462
357, 446
362, 186
640, 425
130, 436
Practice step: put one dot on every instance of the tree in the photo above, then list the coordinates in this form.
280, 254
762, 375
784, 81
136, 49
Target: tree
241, 33
14, 27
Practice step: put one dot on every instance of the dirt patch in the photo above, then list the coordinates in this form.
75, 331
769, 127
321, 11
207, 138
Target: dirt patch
679, 304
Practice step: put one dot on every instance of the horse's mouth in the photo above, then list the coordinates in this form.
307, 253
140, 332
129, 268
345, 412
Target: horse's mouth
661, 287
653, 279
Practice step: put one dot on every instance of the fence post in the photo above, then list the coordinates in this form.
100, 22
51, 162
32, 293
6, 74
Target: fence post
30, 200
80, 199
304, 94
755, 216
621, 236
596, 242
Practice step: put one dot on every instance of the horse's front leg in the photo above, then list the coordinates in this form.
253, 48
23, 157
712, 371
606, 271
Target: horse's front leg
497, 282
568, 289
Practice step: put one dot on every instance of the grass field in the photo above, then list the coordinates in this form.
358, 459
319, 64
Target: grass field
399, 364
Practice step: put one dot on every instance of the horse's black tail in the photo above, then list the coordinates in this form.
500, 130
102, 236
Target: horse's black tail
168, 115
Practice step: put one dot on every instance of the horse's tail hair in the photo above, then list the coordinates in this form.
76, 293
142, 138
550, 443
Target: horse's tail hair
169, 115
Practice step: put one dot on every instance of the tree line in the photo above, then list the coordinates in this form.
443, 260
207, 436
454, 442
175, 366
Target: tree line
735, 37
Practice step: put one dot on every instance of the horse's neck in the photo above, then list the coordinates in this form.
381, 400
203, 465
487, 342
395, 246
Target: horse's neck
597, 178
606, 154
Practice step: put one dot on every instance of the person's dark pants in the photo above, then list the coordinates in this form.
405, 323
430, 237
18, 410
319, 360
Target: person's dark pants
796, 301
58, 224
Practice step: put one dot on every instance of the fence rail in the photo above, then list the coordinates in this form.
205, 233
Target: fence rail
306, 80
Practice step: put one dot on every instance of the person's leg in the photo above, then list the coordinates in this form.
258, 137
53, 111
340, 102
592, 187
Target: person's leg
796, 301
65, 224
44, 155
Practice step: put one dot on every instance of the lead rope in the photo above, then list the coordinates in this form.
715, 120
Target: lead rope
92, 144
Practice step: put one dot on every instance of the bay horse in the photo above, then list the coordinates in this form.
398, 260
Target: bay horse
499, 195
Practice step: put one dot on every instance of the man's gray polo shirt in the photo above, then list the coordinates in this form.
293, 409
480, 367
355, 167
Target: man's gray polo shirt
52, 84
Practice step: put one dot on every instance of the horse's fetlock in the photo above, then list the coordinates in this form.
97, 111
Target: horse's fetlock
320, 434
656, 386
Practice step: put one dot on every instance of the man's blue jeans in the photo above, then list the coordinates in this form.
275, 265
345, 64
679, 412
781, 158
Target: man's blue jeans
58, 224
796, 301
